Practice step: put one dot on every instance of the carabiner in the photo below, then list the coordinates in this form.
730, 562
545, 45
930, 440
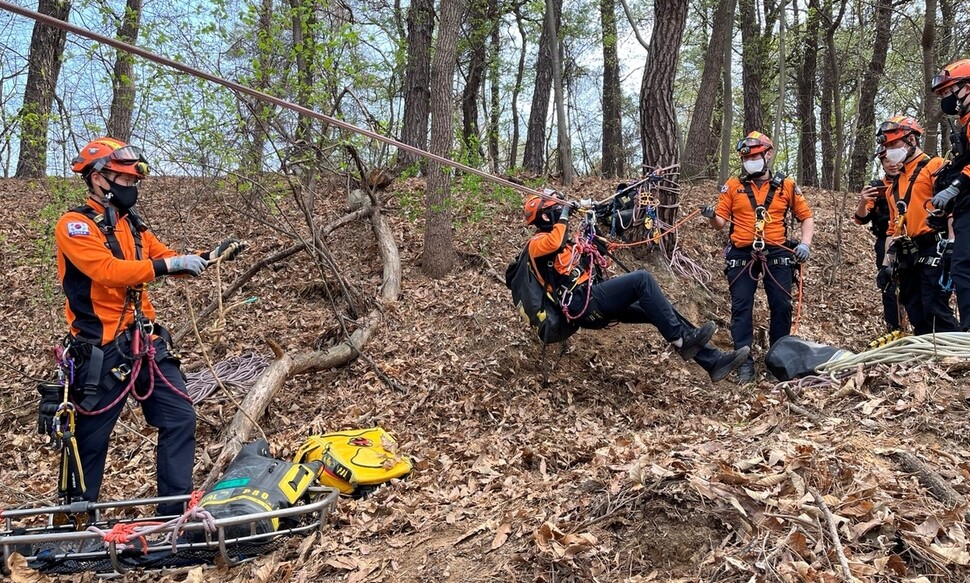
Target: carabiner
758, 244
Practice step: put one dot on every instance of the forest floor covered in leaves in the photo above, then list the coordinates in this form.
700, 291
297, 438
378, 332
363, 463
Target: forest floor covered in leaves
629, 465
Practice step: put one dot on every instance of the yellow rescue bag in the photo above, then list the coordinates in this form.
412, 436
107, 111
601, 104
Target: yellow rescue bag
355, 461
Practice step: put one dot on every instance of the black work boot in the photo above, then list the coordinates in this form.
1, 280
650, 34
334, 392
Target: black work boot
746, 372
694, 340
727, 362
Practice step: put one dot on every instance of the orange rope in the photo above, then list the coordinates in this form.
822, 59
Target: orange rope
125, 532
657, 237
195, 499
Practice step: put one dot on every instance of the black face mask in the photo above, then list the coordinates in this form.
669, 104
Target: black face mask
949, 104
123, 197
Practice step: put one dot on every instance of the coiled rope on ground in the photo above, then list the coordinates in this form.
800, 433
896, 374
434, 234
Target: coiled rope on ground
238, 373
906, 349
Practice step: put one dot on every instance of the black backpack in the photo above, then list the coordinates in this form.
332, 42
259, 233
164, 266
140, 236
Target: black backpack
538, 309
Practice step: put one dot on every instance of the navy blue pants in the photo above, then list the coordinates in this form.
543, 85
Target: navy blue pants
960, 270
776, 272
635, 298
890, 304
173, 415
926, 303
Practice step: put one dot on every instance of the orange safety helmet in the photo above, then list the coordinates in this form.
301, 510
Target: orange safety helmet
754, 143
110, 154
535, 205
897, 127
955, 72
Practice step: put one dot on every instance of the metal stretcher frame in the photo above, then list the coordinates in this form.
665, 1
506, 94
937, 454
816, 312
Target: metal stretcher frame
213, 540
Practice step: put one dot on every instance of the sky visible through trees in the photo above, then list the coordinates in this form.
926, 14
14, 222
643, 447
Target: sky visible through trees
188, 126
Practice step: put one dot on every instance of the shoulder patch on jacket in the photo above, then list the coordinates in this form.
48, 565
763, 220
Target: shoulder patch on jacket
78, 229
724, 188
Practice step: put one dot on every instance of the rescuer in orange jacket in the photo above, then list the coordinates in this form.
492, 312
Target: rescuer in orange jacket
755, 204
915, 257
952, 185
105, 257
570, 272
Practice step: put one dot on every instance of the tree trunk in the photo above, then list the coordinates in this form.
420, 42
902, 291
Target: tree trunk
517, 88
417, 92
932, 114
613, 157
658, 120
832, 91
304, 49
944, 54
480, 26
495, 80
727, 124
701, 145
438, 255
123, 80
260, 112
751, 65
562, 126
43, 68
807, 161
864, 144
533, 159
782, 81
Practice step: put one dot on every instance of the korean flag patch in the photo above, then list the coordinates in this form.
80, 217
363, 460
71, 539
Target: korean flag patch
78, 229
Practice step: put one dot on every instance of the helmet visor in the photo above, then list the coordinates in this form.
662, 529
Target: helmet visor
940, 80
749, 145
127, 155
890, 130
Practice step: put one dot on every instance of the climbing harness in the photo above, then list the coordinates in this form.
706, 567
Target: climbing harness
585, 260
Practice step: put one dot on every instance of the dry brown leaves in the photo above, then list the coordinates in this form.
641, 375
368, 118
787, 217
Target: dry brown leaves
628, 466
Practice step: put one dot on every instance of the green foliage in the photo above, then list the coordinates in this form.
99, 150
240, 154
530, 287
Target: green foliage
62, 194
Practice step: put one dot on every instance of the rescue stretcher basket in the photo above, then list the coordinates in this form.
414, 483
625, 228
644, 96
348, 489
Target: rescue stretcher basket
63, 549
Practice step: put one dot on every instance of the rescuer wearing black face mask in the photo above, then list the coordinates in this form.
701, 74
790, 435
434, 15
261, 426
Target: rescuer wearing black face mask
105, 258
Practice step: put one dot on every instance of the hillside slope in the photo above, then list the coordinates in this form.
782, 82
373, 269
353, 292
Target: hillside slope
629, 465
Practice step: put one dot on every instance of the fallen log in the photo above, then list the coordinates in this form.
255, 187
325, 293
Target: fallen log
285, 366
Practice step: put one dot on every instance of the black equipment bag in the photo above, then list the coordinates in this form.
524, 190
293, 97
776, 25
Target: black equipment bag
536, 307
792, 357
256, 482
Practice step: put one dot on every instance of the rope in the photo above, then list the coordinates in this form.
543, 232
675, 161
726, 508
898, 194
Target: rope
123, 533
140, 358
908, 349
239, 372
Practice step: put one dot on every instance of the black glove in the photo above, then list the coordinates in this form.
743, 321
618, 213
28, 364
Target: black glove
884, 279
707, 212
564, 213
938, 222
50, 400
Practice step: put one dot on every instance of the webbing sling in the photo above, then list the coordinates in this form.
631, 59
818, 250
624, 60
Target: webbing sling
901, 210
